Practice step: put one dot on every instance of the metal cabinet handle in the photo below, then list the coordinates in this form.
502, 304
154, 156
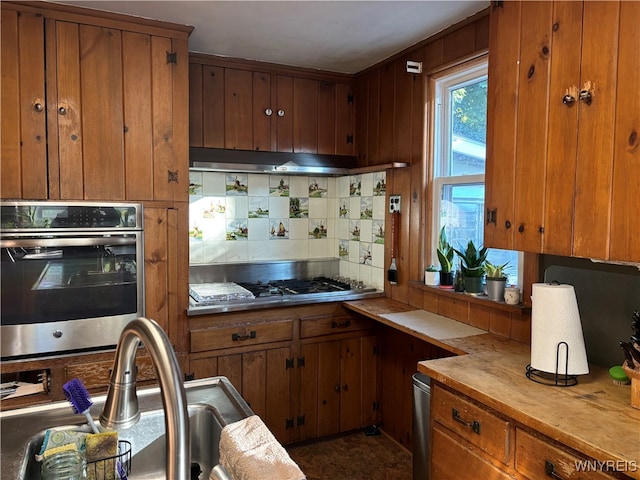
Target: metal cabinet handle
281, 113
268, 112
236, 336
337, 388
38, 107
507, 224
585, 96
521, 228
62, 110
568, 99
550, 470
473, 425
345, 324
345, 387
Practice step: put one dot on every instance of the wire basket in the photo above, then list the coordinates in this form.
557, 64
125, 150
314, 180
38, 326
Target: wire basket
111, 468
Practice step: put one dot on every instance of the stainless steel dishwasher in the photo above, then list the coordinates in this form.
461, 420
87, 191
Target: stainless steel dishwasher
421, 433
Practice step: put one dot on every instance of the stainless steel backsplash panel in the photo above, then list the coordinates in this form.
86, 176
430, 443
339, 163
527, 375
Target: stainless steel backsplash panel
264, 271
606, 300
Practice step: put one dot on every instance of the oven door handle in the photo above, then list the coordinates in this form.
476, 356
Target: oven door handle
59, 242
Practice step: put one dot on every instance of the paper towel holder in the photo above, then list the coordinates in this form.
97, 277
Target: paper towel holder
555, 379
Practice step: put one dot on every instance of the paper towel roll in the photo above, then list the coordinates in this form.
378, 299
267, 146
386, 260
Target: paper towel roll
555, 318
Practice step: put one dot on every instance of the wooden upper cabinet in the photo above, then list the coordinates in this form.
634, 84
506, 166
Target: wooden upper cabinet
559, 135
265, 110
115, 111
23, 170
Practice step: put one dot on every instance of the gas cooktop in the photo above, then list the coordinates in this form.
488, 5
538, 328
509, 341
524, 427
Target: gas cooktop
297, 287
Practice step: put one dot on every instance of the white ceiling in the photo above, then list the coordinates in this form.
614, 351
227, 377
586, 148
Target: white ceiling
339, 36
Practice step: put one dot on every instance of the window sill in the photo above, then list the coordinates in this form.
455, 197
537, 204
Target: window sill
479, 300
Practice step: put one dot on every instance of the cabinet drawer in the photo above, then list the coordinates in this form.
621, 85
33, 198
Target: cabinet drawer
241, 335
98, 374
480, 427
454, 461
330, 324
536, 458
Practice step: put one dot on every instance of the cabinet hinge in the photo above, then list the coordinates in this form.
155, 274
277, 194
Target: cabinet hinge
497, 4
300, 362
172, 176
350, 98
172, 57
288, 363
300, 420
349, 139
492, 216
288, 422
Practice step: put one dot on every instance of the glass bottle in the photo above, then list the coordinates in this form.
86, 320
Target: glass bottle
65, 465
458, 282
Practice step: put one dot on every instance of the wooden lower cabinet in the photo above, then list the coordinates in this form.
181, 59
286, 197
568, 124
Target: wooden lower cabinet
469, 441
338, 386
307, 376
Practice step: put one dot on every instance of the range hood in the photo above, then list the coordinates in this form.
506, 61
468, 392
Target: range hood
223, 160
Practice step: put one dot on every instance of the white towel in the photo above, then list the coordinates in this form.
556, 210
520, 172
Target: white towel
249, 451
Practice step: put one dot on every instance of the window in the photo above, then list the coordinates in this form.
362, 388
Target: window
460, 127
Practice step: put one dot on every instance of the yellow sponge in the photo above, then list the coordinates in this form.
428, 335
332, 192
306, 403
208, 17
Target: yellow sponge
100, 446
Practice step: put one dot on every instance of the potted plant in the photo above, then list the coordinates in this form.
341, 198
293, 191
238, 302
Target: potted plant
496, 280
445, 257
473, 260
431, 275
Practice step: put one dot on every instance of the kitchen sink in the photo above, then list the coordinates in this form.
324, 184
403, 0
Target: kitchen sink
212, 404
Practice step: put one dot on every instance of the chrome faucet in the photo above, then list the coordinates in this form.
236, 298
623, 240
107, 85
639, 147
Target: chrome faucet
121, 406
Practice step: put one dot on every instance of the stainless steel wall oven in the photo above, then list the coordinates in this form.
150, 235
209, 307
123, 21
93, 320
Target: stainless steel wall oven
71, 275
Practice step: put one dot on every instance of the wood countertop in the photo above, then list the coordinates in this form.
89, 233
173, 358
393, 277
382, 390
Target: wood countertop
594, 417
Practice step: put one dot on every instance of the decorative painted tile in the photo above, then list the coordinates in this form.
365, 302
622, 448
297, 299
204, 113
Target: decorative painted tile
343, 208
366, 208
279, 228
279, 186
237, 184
237, 229
298, 207
378, 232
317, 228
258, 207
318, 187
217, 207
195, 183
355, 185
379, 184
354, 230
365, 253
343, 248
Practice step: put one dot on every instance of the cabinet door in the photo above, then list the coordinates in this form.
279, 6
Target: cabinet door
599, 69
625, 205
344, 120
238, 111
350, 384
213, 99
329, 388
532, 124
278, 411
327, 117
262, 112
502, 105
23, 170
284, 113
563, 128
305, 115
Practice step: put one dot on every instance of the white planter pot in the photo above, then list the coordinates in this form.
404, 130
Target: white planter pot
431, 278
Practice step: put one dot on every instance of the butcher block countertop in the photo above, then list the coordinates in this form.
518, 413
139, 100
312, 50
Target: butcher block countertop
593, 417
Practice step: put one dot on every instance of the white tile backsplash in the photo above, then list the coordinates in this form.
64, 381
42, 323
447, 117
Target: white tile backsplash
237, 218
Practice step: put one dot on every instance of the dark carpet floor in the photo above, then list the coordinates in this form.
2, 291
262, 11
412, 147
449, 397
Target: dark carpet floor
354, 456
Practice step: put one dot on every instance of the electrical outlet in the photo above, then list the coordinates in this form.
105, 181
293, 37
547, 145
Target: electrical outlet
394, 203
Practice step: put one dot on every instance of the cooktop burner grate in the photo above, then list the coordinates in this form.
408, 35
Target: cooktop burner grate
295, 286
